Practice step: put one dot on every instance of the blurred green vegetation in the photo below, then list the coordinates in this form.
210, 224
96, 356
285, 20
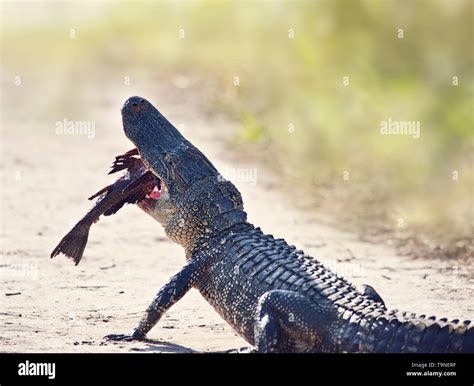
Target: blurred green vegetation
297, 82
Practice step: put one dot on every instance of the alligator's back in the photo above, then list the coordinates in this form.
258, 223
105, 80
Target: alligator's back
248, 264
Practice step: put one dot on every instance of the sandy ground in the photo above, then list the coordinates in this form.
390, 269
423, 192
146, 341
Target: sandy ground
51, 305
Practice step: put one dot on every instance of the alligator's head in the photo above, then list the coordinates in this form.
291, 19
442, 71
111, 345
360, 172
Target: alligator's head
194, 201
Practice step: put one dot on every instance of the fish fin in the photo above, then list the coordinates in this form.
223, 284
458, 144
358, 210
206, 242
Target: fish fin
102, 191
125, 161
129, 153
73, 244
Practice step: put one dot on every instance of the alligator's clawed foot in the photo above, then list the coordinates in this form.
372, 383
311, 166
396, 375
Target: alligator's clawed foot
122, 337
242, 350
247, 350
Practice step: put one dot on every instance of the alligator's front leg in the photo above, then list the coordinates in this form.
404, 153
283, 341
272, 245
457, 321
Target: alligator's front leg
169, 294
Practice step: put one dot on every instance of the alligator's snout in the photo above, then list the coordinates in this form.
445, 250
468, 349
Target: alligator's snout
135, 104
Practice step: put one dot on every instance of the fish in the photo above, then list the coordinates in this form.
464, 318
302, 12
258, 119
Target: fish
137, 184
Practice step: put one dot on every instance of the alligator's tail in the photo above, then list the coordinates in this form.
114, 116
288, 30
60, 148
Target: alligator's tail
73, 244
398, 332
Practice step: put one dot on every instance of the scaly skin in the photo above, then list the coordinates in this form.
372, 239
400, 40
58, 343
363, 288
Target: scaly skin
276, 297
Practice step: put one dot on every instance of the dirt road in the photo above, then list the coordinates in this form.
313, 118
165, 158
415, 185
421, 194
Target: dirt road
51, 305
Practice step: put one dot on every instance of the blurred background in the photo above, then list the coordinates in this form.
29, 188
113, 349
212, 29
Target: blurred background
306, 84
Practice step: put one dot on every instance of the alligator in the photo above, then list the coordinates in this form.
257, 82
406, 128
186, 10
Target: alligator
275, 296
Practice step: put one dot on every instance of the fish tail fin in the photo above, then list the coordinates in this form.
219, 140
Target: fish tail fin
73, 244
